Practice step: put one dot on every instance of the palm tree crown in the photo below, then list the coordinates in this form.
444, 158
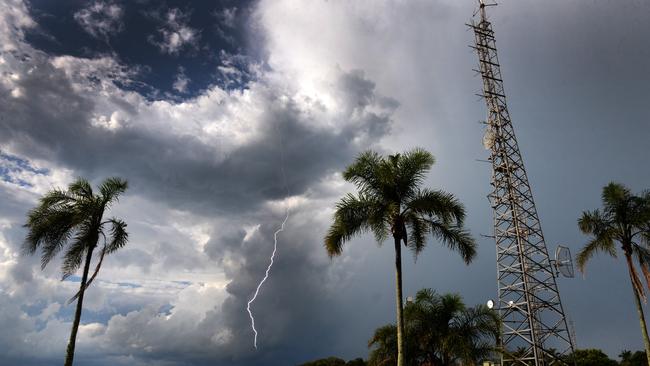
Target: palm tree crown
440, 331
625, 218
73, 219
390, 201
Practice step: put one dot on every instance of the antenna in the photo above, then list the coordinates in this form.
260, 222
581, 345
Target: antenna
563, 262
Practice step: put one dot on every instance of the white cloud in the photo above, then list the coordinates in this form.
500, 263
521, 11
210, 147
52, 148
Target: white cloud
14, 20
175, 34
101, 19
181, 82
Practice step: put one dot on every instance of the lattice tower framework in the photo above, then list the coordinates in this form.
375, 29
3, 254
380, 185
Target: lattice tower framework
534, 327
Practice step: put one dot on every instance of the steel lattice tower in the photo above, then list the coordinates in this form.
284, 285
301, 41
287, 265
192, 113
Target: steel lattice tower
534, 328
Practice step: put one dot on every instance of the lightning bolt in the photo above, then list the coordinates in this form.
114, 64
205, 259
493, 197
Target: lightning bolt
266, 275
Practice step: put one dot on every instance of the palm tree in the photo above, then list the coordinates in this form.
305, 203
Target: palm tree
391, 202
384, 343
74, 219
625, 218
441, 331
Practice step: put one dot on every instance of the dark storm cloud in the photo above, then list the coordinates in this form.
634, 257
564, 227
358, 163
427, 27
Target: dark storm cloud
298, 301
51, 120
294, 304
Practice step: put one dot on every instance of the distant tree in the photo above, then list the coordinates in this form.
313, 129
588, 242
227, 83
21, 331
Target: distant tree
390, 202
637, 358
330, 361
440, 331
590, 357
74, 219
625, 218
356, 362
335, 361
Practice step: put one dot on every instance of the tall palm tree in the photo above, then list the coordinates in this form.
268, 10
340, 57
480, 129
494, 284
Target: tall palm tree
441, 331
391, 202
625, 218
74, 219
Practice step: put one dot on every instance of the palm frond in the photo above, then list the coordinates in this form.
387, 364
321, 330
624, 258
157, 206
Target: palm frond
593, 222
118, 235
643, 256
614, 195
56, 197
73, 258
418, 230
84, 239
435, 203
427, 296
111, 188
455, 238
363, 172
353, 216
451, 304
412, 167
81, 188
49, 227
603, 243
384, 342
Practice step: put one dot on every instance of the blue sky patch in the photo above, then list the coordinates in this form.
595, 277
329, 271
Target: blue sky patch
11, 166
178, 48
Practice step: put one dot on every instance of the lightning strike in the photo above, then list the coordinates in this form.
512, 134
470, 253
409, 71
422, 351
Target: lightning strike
266, 275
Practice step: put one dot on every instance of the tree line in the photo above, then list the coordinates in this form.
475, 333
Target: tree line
581, 357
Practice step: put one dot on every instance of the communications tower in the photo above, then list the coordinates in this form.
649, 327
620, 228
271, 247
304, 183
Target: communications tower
534, 329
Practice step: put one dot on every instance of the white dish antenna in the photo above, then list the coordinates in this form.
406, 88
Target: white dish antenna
563, 262
488, 139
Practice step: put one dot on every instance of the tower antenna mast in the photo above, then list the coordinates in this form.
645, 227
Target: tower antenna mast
534, 329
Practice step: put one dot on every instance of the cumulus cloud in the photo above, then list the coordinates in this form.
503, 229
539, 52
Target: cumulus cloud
175, 34
15, 20
101, 19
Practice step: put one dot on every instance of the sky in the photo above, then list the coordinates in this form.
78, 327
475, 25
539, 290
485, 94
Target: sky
223, 115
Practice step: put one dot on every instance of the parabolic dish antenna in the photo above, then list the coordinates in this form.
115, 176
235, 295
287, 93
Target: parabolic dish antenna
488, 139
564, 262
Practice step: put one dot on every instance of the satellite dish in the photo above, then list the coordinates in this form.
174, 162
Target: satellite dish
490, 304
488, 139
564, 262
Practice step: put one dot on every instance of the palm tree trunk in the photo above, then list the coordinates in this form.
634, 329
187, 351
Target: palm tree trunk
639, 309
400, 314
69, 356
